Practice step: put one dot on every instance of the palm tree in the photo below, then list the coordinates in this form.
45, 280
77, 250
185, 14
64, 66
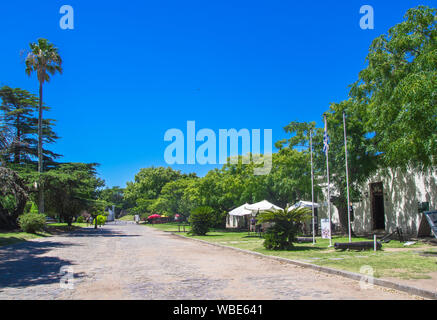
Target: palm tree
44, 59
284, 226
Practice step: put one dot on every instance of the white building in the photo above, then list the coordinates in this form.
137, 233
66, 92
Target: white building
390, 199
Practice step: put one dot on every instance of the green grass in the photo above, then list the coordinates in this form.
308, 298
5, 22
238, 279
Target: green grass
169, 227
11, 237
65, 225
394, 260
129, 217
7, 238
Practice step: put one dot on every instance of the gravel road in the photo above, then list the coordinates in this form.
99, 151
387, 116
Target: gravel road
131, 261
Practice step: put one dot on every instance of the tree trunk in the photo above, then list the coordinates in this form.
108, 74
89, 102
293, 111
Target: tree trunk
40, 155
18, 142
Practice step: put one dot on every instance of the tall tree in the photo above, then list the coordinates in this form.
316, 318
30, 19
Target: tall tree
44, 59
147, 187
398, 91
18, 107
114, 196
6, 140
72, 188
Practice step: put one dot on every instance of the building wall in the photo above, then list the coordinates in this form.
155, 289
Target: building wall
402, 192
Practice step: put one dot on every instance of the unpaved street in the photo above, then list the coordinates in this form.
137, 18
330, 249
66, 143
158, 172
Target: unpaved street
137, 262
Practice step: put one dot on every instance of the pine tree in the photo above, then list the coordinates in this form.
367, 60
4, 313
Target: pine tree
18, 114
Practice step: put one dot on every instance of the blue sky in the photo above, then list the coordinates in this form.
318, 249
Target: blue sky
134, 69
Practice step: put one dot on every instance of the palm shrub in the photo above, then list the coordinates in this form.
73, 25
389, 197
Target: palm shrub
201, 220
32, 222
284, 228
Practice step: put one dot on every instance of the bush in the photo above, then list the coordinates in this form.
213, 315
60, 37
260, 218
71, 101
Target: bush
101, 220
81, 219
283, 232
201, 219
32, 222
276, 238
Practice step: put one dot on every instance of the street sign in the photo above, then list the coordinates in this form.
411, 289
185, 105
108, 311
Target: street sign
326, 230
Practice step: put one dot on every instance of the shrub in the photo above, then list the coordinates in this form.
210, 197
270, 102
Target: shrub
283, 232
32, 222
201, 219
81, 219
101, 220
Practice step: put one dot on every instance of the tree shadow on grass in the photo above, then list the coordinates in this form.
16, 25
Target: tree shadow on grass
21, 265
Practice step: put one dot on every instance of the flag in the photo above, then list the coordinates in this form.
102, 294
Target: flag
326, 138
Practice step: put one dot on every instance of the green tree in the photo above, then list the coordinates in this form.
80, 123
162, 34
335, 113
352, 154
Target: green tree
174, 198
362, 156
398, 90
18, 108
13, 198
146, 188
114, 196
6, 141
44, 59
72, 188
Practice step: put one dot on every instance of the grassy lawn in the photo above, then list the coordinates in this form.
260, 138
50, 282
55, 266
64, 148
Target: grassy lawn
129, 217
19, 236
395, 260
10, 237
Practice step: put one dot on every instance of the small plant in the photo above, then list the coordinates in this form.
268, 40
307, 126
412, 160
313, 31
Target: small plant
80, 219
284, 229
201, 220
101, 220
32, 222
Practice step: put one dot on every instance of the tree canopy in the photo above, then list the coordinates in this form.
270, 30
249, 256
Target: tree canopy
18, 114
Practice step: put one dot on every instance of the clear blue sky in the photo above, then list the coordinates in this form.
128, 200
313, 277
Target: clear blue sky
133, 69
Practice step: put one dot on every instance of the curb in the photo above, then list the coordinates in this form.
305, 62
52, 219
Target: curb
351, 275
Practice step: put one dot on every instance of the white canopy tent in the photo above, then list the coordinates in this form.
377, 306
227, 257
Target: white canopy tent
262, 206
240, 211
305, 204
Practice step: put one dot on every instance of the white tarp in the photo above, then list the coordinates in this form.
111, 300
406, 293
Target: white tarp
262, 206
305, 204
240, 211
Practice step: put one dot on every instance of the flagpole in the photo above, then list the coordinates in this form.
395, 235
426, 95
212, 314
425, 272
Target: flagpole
329, 188
312, 185
347, 180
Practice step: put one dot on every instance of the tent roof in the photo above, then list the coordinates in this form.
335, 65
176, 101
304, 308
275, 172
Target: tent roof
240, 211
305, 204
262, 206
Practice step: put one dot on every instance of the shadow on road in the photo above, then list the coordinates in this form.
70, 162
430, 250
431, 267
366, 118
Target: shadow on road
22, 265
99, 232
